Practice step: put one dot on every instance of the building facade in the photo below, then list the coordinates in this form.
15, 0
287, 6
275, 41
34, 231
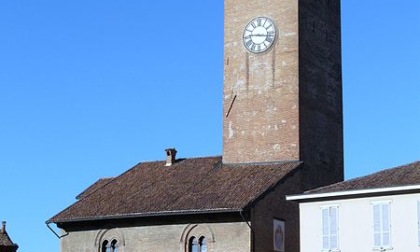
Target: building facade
282, 134
228, 236
378, 212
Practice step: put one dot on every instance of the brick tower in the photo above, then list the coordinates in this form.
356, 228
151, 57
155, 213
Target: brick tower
283, 85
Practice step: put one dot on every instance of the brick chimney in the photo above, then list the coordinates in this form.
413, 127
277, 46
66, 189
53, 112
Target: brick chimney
170, 156
3, 227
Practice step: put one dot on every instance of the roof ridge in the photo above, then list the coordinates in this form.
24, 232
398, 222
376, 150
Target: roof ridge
180, 159
263, 163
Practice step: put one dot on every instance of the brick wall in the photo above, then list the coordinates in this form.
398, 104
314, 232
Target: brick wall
286, 103
261, 91
321, 122
274, 205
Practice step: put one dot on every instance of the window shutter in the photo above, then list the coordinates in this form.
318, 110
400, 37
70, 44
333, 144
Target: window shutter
330, 228
376, 225
382, 224
325, 229
334, 228
386, 226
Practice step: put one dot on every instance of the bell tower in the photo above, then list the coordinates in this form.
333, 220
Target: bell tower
283, 86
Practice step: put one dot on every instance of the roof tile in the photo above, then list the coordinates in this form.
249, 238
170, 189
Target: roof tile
188, 186
404, 175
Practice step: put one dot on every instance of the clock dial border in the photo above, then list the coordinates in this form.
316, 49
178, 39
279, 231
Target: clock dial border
259, 34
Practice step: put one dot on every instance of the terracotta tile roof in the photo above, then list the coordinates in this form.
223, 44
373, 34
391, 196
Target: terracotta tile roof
404, 175
188, 186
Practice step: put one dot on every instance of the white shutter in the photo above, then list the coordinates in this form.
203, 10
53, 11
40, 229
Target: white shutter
386, 226
330, 228
333, 228
325, 229
377, 225
382, 225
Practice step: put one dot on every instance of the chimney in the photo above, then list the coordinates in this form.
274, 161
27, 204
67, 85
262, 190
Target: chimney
3, 227
170, 156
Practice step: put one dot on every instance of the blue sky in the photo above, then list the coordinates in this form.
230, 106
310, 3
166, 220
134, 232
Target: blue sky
90, 88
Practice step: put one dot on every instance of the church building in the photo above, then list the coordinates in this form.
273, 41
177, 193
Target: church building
282, 135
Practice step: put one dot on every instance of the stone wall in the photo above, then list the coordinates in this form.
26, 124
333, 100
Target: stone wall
230, 236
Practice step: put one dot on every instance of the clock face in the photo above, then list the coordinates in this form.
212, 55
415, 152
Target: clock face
259, 35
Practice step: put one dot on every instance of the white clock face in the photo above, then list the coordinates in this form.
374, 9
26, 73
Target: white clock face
259, 35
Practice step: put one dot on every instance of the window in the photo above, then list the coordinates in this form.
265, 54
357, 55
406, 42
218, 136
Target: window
110, 246
114, 246
381, 225
105, 246
197, 245
193, 245
197, 238
109, 240
203, 244
330, 228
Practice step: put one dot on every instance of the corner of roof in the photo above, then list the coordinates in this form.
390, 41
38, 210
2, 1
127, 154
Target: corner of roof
296, 168
94, 187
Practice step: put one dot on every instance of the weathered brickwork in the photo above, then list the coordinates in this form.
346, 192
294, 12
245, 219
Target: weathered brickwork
285, 104
261, 90
274, 205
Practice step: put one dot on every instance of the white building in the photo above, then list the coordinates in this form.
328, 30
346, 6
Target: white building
378, 212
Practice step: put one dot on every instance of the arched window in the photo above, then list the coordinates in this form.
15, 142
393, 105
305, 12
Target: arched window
197, 245
193, 244
109, 246
110, 240
105, 246
203, 244
197, 238
114, 246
